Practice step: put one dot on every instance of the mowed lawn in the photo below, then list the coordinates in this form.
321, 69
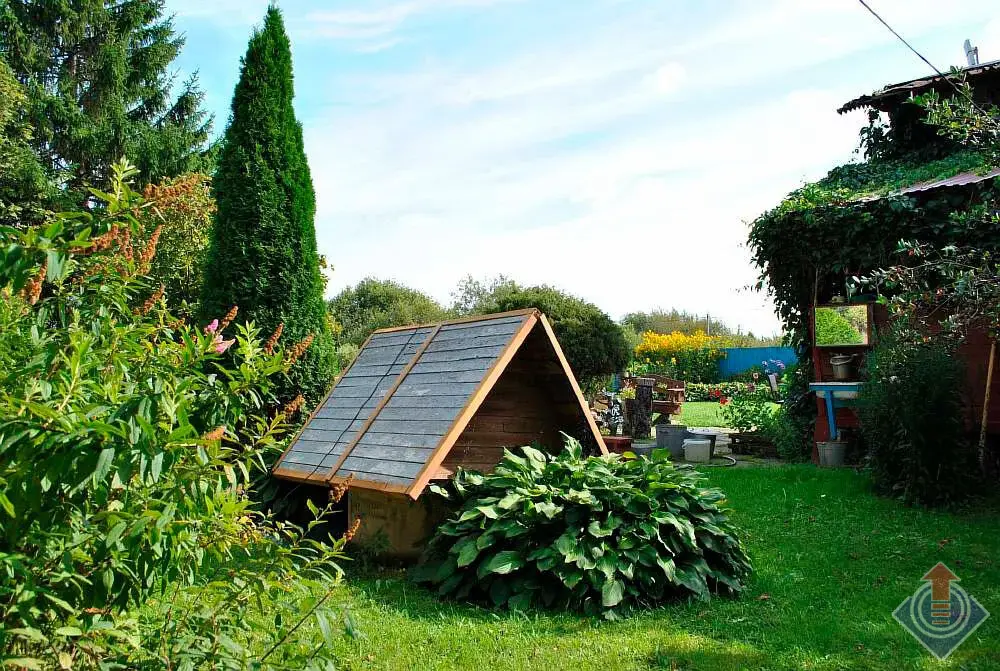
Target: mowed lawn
831, 563
701, 413
704, 413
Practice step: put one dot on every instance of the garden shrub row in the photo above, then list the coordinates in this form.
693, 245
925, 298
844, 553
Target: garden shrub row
697, 391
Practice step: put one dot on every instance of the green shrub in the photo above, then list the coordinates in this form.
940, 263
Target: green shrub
793, 427
912, 420
127, 457
751, 409
593, 343
377, 304
595, 534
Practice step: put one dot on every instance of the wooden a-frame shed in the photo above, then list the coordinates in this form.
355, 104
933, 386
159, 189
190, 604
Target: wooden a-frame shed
419, 401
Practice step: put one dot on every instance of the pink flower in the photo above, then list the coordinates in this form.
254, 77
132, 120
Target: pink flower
213, 327
222, 345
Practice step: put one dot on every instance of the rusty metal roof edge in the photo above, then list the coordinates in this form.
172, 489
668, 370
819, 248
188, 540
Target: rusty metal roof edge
911, 85
961, 179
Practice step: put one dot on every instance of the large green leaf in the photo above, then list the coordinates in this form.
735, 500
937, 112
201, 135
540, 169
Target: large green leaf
503, 562
612, 593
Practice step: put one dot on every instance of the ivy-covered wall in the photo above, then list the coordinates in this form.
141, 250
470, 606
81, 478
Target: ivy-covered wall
821, 235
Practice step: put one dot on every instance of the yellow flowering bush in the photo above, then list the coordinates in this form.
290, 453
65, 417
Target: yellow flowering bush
689, 357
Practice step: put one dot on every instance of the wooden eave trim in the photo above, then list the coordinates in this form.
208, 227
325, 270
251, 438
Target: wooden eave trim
572, 380
472, 405
275, 470
297, 476
382, 403
373, 485
461, 320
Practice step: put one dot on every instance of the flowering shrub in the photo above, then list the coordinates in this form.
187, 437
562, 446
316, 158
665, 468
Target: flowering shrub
692, 358
695, 391
127, 453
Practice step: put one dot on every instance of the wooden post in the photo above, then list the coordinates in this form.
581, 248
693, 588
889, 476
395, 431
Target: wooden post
643, 408
986, 407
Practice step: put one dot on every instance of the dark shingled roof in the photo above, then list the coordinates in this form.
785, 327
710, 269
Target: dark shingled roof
895, 93
393, 408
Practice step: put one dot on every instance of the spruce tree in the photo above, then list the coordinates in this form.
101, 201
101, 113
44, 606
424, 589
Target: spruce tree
263, 251
97, 77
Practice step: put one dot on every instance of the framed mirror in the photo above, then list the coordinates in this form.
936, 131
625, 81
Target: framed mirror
842, 325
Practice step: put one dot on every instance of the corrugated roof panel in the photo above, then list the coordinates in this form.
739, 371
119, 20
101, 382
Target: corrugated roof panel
960, 179
913, 87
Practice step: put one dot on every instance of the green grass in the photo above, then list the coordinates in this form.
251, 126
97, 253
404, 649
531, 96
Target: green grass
701, 413
831, 562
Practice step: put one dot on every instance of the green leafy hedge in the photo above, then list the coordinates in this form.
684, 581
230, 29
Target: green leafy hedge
913, 421
595, 534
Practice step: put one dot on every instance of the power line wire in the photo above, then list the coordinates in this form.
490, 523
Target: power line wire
961, 92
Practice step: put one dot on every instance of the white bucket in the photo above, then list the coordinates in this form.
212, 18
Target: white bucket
696, 450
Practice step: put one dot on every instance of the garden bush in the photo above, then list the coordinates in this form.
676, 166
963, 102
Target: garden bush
593, 343
182, 209
127, 458
692, 358
911, 415
794, 422
596, 534
697, 391
377, 304
751, 409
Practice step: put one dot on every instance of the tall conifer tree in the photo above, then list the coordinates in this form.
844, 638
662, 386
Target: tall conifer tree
96, 73
263, 252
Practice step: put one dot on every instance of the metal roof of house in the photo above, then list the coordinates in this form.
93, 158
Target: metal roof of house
908, 89
399, 408
960, 179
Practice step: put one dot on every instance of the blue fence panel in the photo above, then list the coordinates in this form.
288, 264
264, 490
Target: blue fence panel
740, 359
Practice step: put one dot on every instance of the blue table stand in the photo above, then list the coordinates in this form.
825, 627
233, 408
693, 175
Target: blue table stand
836, 395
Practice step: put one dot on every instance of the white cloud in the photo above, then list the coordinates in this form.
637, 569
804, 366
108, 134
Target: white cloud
373, 20
669, 77
609, 161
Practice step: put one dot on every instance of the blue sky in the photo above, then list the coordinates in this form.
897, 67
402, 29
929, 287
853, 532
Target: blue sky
613, 148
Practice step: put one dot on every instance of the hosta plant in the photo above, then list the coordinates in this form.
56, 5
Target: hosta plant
595, 534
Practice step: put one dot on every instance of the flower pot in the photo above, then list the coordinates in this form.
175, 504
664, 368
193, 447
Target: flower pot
698, 451
671, 436
618, 444
831, 453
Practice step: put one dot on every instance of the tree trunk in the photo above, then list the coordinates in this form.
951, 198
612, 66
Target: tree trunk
986, 408
642, 421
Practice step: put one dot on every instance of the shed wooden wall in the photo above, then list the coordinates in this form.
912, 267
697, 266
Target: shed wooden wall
531, 403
